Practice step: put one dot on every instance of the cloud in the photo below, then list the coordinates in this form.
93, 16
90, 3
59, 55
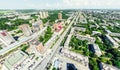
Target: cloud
92, 3
60, 4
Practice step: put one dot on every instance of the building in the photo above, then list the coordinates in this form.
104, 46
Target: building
83, 20
6, 38
24, 17
50, 42
66, 44
96, 32
47, 14
75, 56
15, 60
80, 29
95, 48
59, 16
37, 47
71, 66
57, 26
43, 14
112, 41
104, 66
37, 25
26, 29
40, 48
87, 37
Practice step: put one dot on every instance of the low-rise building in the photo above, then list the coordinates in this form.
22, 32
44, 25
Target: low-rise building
15, 60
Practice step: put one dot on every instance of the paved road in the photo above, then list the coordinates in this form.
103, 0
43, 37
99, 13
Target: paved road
14, 45
43, 64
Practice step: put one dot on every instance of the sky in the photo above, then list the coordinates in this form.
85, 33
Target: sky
59, 4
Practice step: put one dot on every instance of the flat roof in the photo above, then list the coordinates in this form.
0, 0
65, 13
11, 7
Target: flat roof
15, 58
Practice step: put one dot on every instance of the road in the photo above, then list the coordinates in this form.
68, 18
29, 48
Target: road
43, 64
16, 44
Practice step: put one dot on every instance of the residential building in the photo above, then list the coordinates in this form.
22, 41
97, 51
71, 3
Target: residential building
104, 66
75, 56
59, 16
26, 29
50, 42
112, 41
87, 37
6, 38
24, 17
66, 44
80, 29
37, 25
41, 14
83, 20
95, 48
37, 47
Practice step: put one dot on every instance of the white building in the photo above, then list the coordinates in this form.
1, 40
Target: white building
104, 66
88, 38
80, 29
114, 43
37, 25
96, 50
60, 16
24, 16
50, 42
43, 14
15, 60
75, 56
66, 44
6, 38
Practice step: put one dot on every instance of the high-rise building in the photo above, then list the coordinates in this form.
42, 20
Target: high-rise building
26, 29
41, 14
44, 14
47, 14
37, 25
59, 15
6, 38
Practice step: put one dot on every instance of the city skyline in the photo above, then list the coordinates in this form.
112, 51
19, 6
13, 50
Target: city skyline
61, 4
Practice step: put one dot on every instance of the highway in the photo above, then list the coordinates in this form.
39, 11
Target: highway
43, 64
18, 43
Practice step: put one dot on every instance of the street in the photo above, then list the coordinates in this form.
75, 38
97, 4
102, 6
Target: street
43, 64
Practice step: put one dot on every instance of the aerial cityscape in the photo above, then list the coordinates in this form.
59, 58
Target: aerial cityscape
60, 37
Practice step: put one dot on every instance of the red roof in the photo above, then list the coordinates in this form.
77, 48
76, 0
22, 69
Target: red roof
3, 33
